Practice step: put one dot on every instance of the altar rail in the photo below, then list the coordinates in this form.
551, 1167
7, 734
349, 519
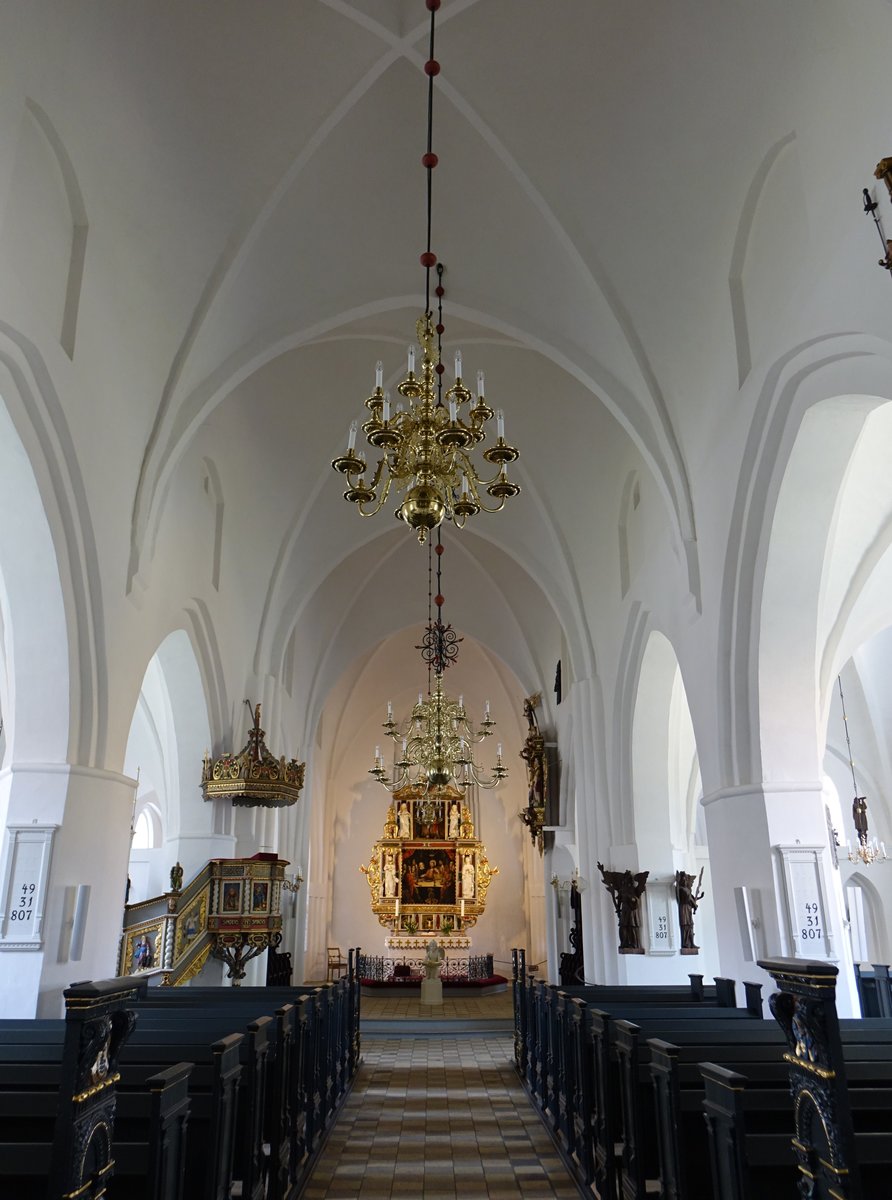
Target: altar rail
379, 969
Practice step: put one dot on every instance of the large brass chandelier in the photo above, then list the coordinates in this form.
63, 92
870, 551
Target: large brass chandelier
436, 742
425, 445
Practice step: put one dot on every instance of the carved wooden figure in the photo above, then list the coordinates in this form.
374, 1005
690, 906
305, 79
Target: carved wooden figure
688, 894
626, 891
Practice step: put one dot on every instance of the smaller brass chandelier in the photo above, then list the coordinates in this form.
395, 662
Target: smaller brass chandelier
436, 746
425, 447
437, 740
867, 850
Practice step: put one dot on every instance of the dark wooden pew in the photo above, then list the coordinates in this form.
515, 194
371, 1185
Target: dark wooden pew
148, 1147
239, 1124
566, 1054
299, 1063
309, 1074
679, 1091
153, 1111
292, 1110
57, 1113
832, 1134
323, 1059
627, 1087
661, 1077
752, 1134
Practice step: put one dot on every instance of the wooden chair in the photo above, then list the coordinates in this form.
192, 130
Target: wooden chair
336, 964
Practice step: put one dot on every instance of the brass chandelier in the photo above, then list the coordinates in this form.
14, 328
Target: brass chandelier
437, 744
867, 850
425, 445
437, 740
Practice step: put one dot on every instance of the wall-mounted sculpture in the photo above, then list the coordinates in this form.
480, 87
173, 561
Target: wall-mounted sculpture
688, 895
533, 754
626, 891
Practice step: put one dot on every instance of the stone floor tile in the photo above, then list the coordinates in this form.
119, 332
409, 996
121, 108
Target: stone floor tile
438, 1118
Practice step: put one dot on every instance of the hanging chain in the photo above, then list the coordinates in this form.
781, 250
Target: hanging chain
845, 721
439, 646
429, 161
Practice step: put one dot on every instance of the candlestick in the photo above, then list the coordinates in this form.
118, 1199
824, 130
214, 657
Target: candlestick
379, 375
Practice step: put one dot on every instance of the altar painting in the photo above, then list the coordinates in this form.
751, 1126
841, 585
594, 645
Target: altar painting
428, 875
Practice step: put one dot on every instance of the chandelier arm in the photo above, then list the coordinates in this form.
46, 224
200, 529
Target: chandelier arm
382, 500
379, 471
500, 477
486, 507
363, 512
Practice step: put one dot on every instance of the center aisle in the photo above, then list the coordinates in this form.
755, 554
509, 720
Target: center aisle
438, 1117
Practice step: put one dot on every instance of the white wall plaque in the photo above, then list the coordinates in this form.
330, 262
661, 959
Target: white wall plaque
662, 918
25, 875
809, 933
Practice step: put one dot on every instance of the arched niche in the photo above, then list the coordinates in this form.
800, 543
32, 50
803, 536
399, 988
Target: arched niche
666, 790
169, 735
664, 758
827, 574
865, 910
868, 702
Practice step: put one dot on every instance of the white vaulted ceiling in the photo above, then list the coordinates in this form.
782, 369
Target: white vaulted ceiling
628, 208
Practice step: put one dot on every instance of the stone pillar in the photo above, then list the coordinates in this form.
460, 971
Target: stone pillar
771, 862
88, 812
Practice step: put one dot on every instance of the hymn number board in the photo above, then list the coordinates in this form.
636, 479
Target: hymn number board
809, 934
661, 918
25, 873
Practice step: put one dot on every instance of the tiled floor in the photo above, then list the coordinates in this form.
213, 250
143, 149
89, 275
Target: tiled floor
437, 1118
453, 1008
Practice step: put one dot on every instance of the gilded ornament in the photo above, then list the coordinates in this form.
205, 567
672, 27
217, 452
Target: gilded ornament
253, 777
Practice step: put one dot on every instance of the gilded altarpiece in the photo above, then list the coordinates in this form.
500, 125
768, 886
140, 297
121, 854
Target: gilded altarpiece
429, 874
